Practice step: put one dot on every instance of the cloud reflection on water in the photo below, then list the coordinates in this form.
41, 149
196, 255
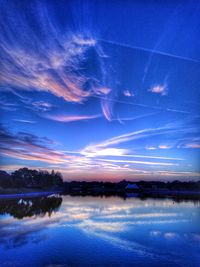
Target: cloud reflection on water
104, 218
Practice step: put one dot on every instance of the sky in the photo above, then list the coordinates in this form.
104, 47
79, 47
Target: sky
101, 90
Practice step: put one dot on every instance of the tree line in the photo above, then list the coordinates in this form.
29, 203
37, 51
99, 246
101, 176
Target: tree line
27, 178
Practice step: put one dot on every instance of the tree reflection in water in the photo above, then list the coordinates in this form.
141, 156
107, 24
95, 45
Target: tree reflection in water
21, 208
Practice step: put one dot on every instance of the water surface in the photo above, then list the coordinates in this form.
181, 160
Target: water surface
95, 231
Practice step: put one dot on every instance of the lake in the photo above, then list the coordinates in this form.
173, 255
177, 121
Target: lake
66, 231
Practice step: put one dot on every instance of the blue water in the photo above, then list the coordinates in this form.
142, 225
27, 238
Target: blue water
94, 231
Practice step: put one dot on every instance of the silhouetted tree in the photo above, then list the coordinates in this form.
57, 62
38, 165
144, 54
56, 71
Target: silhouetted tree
28, 178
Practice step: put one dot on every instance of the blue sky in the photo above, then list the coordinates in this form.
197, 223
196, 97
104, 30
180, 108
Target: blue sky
101, 90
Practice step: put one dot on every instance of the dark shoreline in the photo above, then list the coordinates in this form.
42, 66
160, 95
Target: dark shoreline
172, 194
33, 183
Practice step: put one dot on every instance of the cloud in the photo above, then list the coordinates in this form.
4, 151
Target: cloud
153, 157
56, 61
192, 145
32, 71
130, 136
128, 93
92, 151
107, 108
104, 152
140, 162
164, 146
37, 106
114, 100
7, 106
151, 148
175, 174
158, 147
25, 121
159, 89
170, 235
121, 120
71, 118
102, 91
177, 127
27, 146
42, 105
189, 142
50, 60
51, 63
78, 39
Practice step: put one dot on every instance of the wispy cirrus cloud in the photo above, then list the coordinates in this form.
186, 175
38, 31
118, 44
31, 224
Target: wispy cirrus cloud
122, 119
192, 145
37, 106
71, 118
107, 152
177, 127
32, 71
142, 105
52, 63
158, 147
101, 156
92, 152
42, 105
140, 162
110, 147
27, 146
30, 148
24, 121
107, 108
7, 106
130, 136
55, 63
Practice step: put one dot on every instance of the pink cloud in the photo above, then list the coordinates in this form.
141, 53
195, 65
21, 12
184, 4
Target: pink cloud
71, 118
192, 145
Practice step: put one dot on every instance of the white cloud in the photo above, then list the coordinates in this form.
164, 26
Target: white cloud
128, 93
151, 148
159, 89
104, 152
140, 162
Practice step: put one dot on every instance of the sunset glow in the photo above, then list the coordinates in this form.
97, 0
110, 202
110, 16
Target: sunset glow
97, 106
